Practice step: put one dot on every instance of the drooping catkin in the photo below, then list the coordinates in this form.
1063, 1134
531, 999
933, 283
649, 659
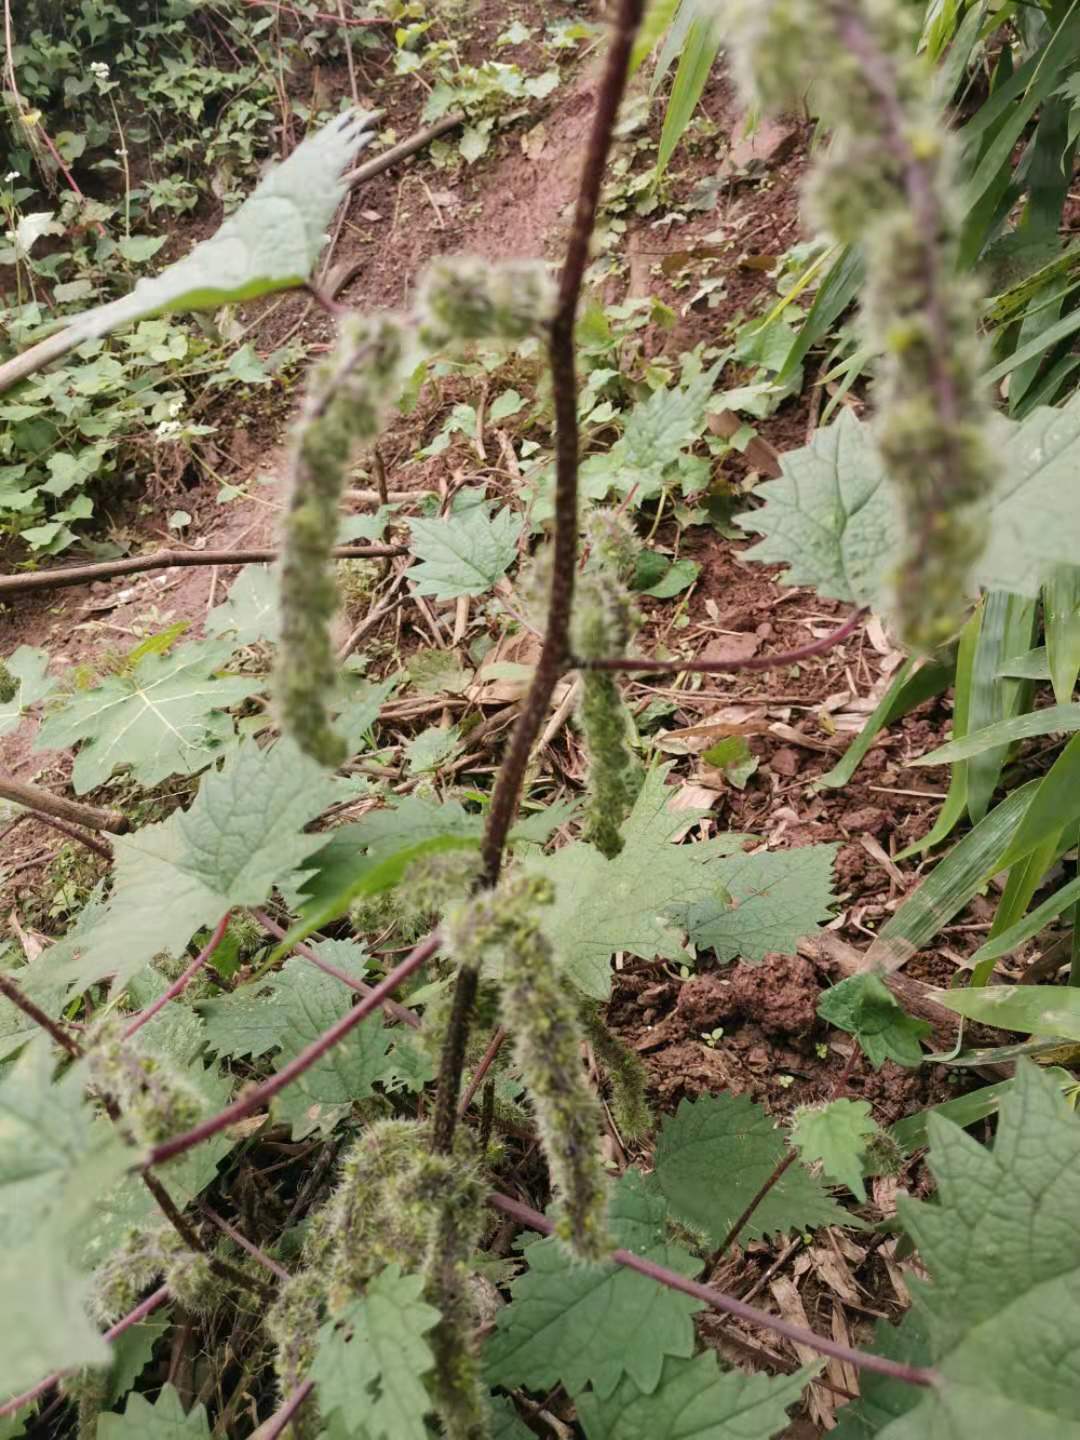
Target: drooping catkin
500, 929
601, 627
887, 184
629, 1107
465, 298
344, 408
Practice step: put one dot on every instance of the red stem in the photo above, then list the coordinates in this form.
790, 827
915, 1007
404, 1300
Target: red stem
277, 1424
719, 1300
260, 1094
180, 985
735, 662
144, 1308
266, 1261
22, 1002
486, 1062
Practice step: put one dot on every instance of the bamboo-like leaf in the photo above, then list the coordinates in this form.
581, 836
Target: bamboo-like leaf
695, 63
1008, 625
1032, 1009
1053, 720
1061, 620
953, 882
1056, 804
906, 691
1010, 939
956, 799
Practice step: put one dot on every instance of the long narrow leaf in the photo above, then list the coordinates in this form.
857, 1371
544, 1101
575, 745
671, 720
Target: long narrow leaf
1031, 665
1061, 620
1008, 626
1054, 719
1032, 1009
1025, 877
695, 64
1055, 805
951, 884
910, 1133
906, 691
956, 800
1010, 939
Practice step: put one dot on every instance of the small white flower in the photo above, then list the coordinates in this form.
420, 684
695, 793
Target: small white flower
168, 430
100, 69
10, 176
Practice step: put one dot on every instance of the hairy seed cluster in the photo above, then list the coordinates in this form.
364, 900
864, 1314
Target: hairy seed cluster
888, 184
344, 408
466, 298
500, 930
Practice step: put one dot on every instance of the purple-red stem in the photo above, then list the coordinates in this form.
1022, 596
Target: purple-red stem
258, 1095
392, 1007
278, 1423
141, 1311
266, 1261
486, 1061
180, 984
729, 1305
22, 1002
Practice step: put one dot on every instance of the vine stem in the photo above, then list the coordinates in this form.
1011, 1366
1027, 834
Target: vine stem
258, 1095
180, 984
555, 652
719, 1300
278, 1423
133, 1317
496, 1043
22, 1002
734, 662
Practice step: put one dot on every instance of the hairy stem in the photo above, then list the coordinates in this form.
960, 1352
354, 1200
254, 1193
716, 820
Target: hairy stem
506, 795
258, 1095
719, 1300
181, 983
22, 1002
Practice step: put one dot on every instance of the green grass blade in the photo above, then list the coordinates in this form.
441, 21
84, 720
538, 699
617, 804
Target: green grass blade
956, 799
952, 883
1008, 626
1032, 1009
906, 691
1031, 665
834, 295
1025, 877
695, 64
1053, 719
1008, 940
1061, 621
1055, 806
965, 1110
658, 17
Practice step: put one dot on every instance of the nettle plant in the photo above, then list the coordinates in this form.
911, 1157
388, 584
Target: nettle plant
367, 1298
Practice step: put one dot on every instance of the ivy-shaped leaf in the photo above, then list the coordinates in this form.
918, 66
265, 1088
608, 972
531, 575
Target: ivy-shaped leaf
865, 1007
370, 1362
167, 717
242, 834
1001, 1244
270, 243
163, 1420
713, 1156
836, 1134
832, 516
579, 1323
310, 1002
641, 901
27, 667
465, 553
695, 1400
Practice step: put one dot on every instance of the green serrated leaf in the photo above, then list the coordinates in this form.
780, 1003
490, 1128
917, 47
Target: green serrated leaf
1002, 1250
27, 666
166, 718
370, 1362
695, 1400
713, 1156
834, 521
883, 1398
270, 243
242, 834
250, 613
45, 1325
778, 897
865, 1007
163, 1420
310, 1002
835, 1134
465, 553
604, 905
132, 1351
582, 1324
